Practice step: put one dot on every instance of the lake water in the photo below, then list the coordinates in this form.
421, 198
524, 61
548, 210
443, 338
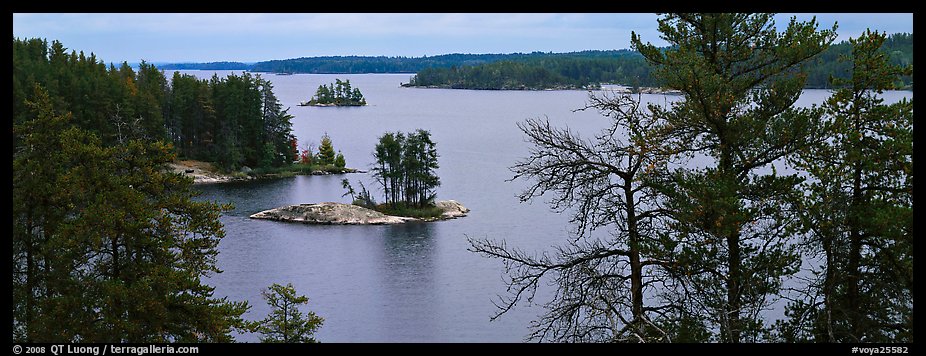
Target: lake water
413, 282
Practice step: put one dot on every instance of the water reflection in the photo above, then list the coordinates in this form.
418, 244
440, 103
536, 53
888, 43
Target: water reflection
407, 282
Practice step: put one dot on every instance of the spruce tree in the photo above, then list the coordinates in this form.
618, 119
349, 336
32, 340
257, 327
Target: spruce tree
339, 161
326, 155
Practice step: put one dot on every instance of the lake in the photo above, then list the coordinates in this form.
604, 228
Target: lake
414, 282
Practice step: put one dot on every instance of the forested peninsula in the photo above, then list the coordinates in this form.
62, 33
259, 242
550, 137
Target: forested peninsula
108, 244
235, 122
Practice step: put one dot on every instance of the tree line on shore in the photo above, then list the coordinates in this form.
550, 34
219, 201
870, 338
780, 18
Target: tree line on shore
234, 121
629, 68
540, 73
365, 64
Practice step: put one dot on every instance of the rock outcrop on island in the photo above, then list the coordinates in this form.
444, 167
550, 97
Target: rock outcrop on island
452, 209
330, 213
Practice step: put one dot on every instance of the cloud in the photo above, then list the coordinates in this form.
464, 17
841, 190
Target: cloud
458, 25
253, 37
854, 24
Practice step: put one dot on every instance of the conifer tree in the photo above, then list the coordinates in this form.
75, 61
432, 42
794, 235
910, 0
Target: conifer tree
326, 155
108, 244
859, 210
286, 323
734, 218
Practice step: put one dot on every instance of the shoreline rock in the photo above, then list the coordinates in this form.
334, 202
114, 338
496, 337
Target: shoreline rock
452, 209
206, 173
203, 172
331, 213
325, 105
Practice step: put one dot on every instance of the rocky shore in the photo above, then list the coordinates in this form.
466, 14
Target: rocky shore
205, 172
330, 213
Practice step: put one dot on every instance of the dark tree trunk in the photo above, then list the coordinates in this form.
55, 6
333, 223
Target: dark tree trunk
853, 302
636, 266
30, 281
733, 288
829, 290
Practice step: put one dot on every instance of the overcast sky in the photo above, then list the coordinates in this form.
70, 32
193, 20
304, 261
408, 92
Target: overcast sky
258, 37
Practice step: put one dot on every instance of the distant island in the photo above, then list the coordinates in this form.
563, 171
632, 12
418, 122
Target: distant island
589, 69
206, 66
539, 70
338, 93
584, 72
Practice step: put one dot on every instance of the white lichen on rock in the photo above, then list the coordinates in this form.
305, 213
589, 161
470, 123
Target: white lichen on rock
347, 214
452, 209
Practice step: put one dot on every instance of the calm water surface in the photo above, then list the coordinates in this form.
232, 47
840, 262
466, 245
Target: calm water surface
413, 282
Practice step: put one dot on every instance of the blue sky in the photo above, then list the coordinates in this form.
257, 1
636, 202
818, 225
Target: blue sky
256, 37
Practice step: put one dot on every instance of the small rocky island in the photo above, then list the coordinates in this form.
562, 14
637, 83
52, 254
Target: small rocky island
338, 93
330, 213
405, 165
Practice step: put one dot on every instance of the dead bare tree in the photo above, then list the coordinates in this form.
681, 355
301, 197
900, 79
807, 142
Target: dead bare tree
604, 285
